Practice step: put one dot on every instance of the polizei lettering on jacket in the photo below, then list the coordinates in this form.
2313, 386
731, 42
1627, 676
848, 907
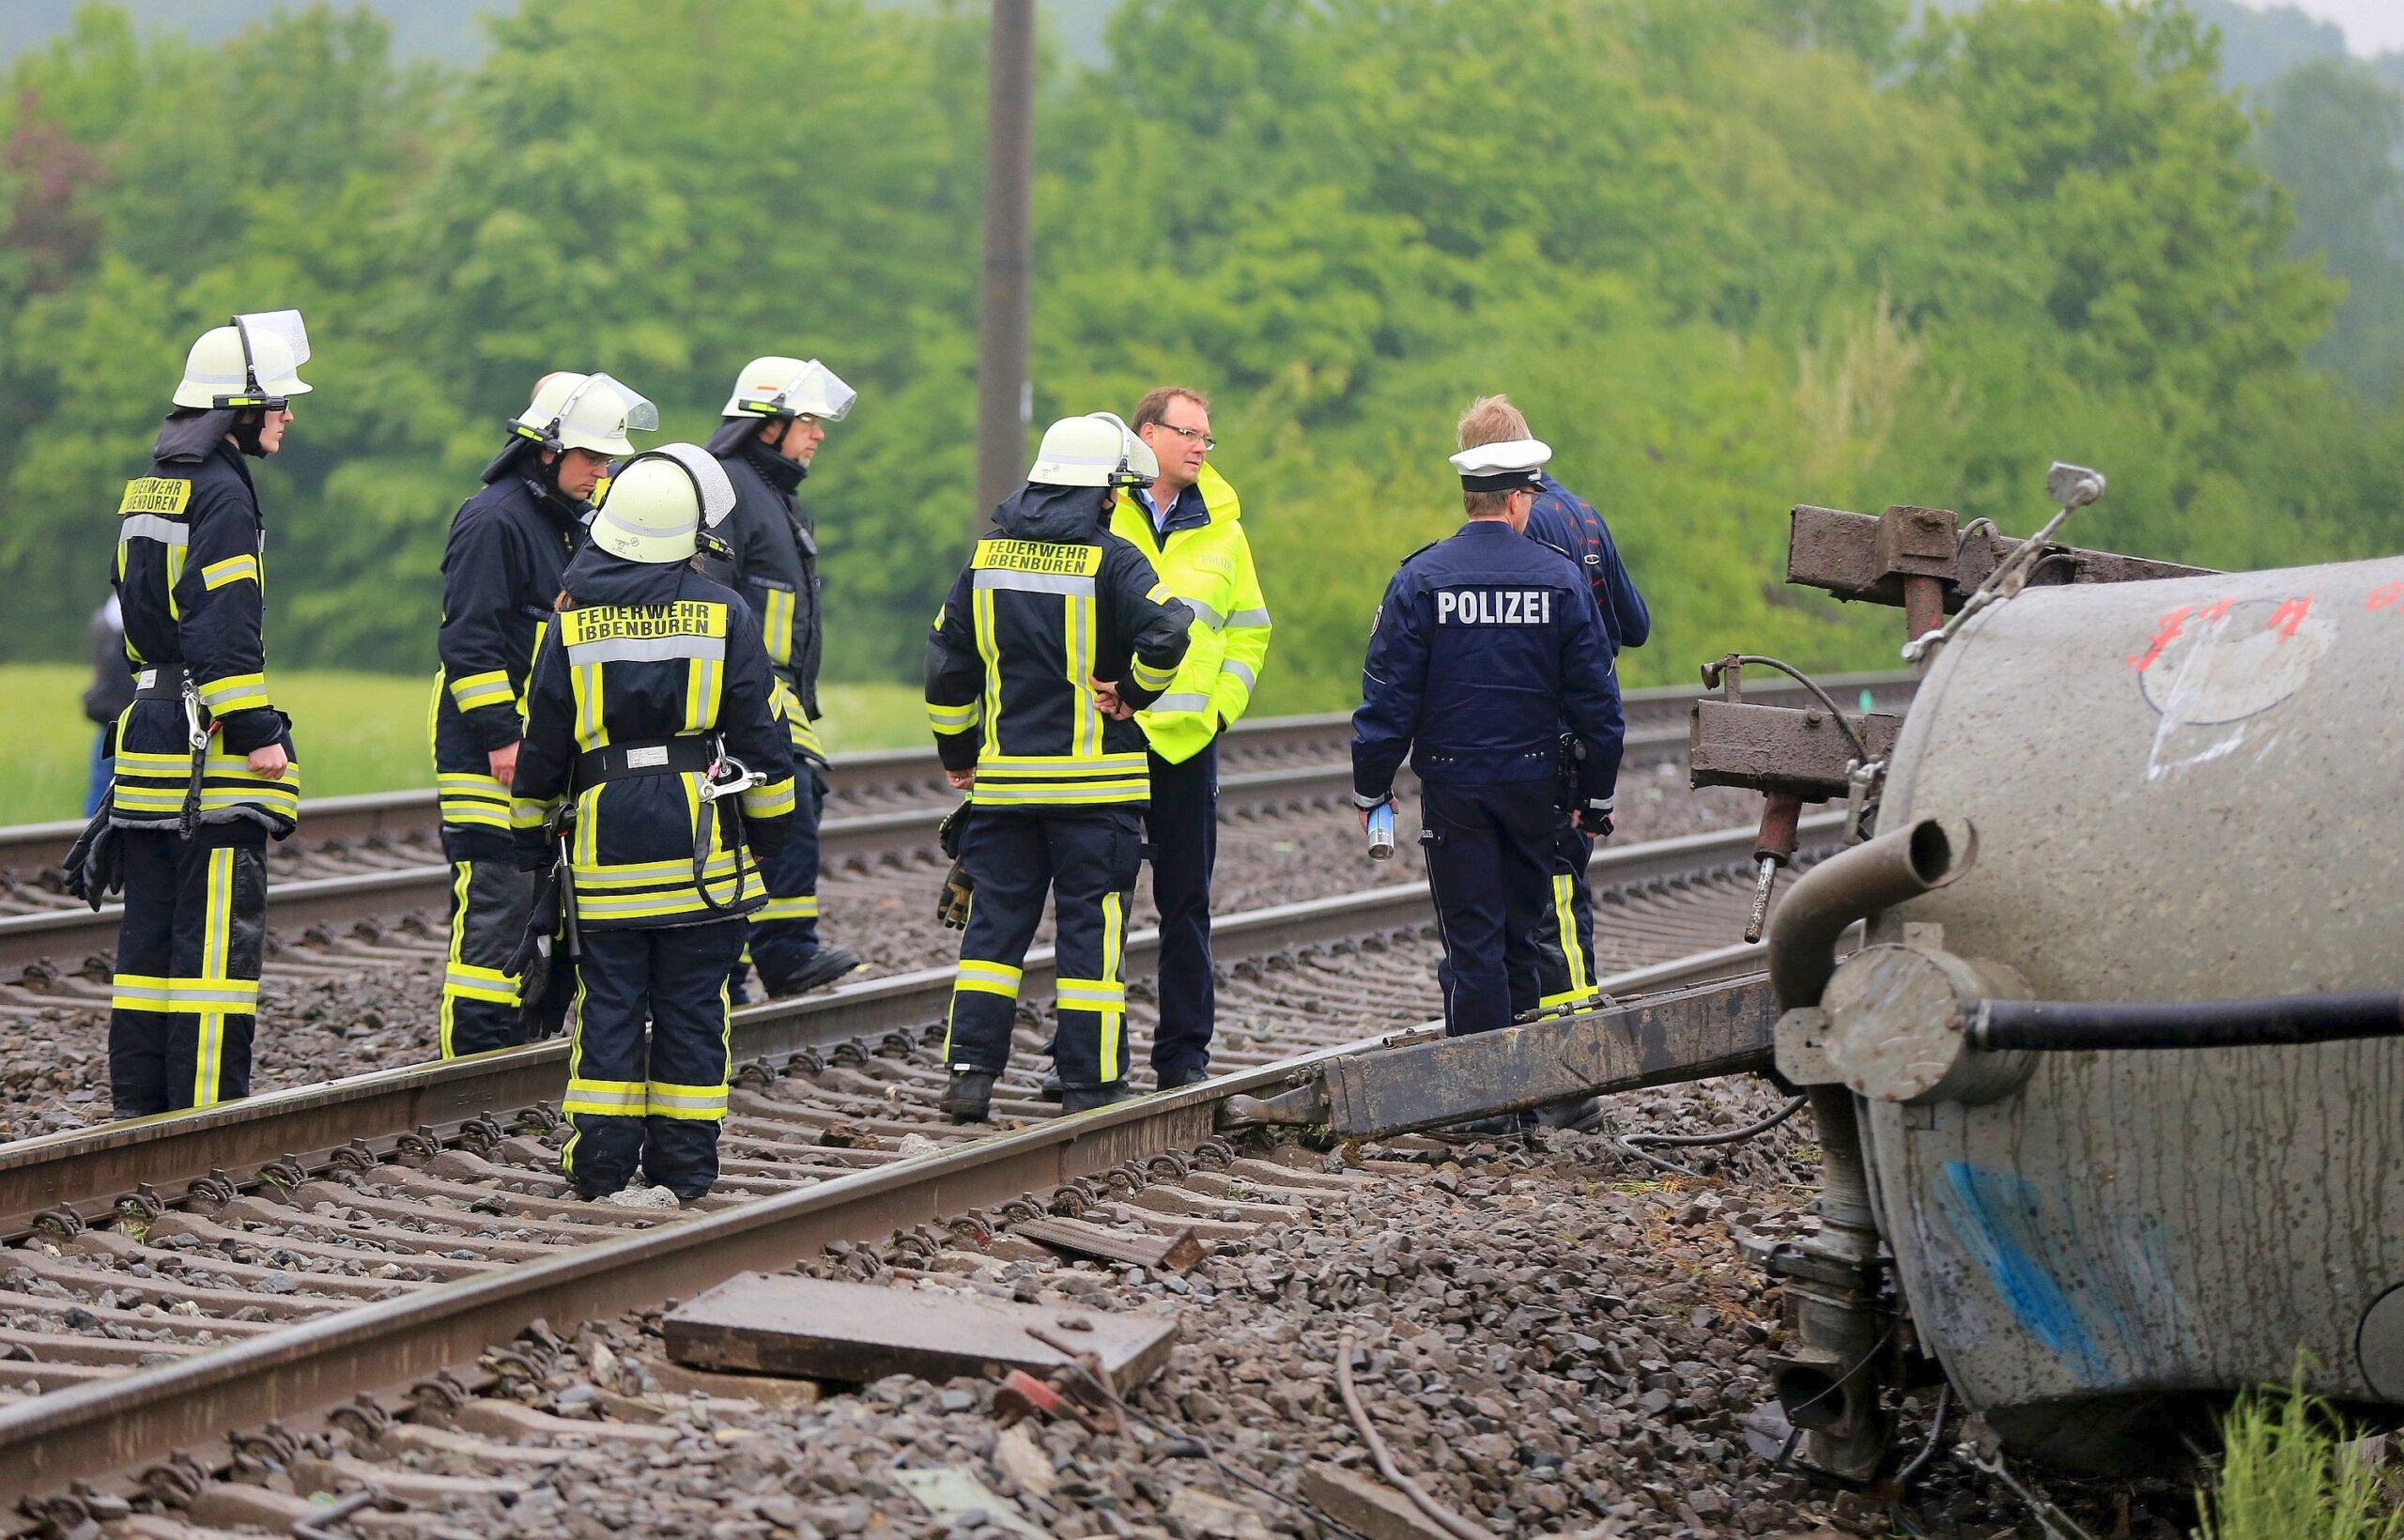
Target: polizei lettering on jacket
1494, 607
610, 622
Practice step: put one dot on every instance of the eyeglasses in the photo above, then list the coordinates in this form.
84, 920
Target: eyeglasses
1190, 435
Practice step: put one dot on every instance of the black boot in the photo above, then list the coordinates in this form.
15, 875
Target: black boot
821, 968
1086, 1097
968, 1096
1172, 1080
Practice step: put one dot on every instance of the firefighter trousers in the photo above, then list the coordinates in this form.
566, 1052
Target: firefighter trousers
1182, 820
1087, 859
490, 900
647, 1069
1567, 973
185, 999
784, 935
1490, 869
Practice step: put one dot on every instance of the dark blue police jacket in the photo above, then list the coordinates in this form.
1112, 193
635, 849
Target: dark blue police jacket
1569, 524
1484, 645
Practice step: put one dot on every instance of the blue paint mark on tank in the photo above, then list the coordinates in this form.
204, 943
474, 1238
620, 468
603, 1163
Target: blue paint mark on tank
1998, 1216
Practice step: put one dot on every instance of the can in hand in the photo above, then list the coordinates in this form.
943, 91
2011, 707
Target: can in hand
1382, 832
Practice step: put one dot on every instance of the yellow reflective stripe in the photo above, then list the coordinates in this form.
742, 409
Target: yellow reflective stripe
988, 649
1566, 917
1114, 1023
1064, 794
460, 874
469, 799
700, 1104
641, 873
1092, 994
468, 982
140, 992
704, 679
491, 688
1152, 678
233, 569
952, 720
1159, 594
775, 624
1249, 620
683, 900
1242, 671
772, 799
988, 977
584, 679
235, 692
216, 946
798, 906
604, 1097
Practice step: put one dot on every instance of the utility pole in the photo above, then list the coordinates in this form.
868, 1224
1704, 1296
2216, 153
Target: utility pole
1005, 396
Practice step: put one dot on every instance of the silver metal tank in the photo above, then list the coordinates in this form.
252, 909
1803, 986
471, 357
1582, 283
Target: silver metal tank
2182, 790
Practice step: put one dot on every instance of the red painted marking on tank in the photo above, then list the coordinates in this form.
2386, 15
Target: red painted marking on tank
2217, 612
2172, 624
2289, 615
2384, 595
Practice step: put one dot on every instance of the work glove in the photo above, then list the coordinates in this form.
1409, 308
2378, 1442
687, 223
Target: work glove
95, 867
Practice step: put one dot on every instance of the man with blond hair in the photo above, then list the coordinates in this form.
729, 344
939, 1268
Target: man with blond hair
1569, 524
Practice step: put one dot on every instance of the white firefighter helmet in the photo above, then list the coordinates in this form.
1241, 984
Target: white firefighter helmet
585, 411
656, 502
782, 387
253, 363
1097, 450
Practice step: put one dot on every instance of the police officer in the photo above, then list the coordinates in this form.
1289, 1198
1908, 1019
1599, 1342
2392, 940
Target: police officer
775, 420
649, 701
1569, 524
1485, 643
204, 764
501, 574
1187, 523
1048, 613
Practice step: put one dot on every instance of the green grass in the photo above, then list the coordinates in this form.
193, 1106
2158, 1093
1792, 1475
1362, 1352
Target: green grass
354, 731
2287, 1475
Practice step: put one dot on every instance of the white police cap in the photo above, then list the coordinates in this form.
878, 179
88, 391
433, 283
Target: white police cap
1505, 467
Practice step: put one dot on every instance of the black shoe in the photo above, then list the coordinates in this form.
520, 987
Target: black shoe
1502, 1125
819, 969
1086, 1097
1581, 1112
1173, 1080
968, 1096
1050, 1089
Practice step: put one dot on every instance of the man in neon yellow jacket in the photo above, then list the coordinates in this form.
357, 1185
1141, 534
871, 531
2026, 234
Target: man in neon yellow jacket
1188, 525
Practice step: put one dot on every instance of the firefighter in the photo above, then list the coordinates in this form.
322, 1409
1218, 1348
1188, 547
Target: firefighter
1569, 524
649, 723
1050, 642
775, 419
500, 572
1485, 644
206, 771
1186, 523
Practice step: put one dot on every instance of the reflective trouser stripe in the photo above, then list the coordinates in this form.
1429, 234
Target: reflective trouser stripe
606, 1098
698, 1103
145, 991
988, 979
799, 906
1571, 952
471, 800
216, 947
1114, 1023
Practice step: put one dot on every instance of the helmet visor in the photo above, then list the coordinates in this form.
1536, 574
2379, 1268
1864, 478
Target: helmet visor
815, 391
275, 343
716, 493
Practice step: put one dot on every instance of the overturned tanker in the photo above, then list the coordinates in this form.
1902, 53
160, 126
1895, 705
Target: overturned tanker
2110, 1083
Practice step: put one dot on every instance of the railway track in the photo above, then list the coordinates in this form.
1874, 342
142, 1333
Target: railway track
367, 858
166, 1281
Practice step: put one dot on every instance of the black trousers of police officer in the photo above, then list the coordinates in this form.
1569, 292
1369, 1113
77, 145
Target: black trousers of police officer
784, 935
1565, 934
1087, 859
1490, 867
185, 997
490, 902
1182, 826
647, 1074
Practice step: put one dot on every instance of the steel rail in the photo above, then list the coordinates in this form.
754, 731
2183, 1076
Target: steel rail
89, 1169
92, 1429
75, 931
27, 846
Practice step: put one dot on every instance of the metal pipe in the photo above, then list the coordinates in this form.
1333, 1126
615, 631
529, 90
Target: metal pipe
1876, 875
2068, 1025
1003, 386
